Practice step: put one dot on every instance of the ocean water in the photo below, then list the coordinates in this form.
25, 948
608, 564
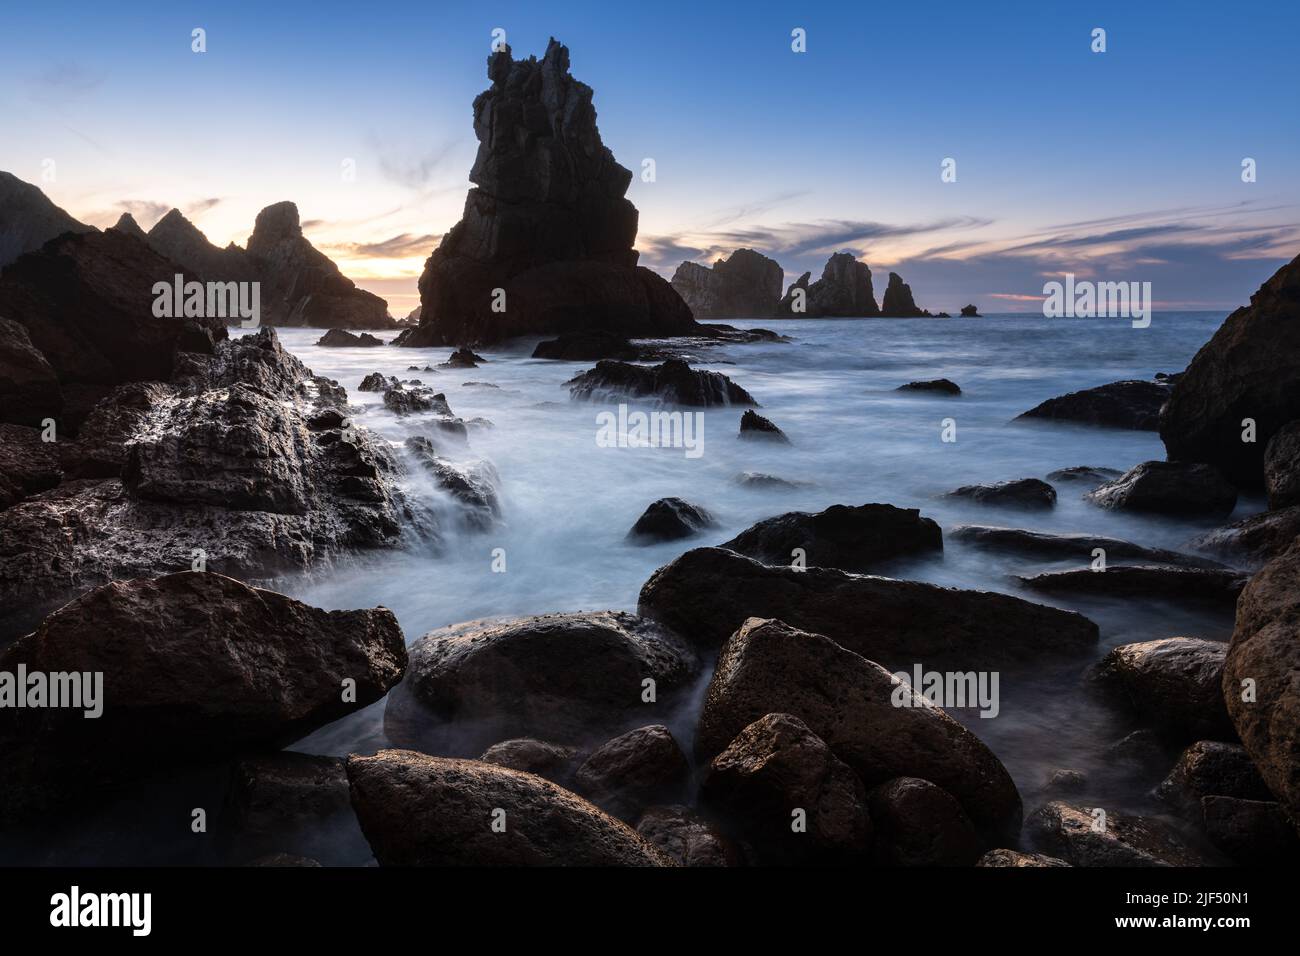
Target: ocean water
568, 502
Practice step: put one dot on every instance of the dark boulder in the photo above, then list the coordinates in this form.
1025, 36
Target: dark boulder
589, 346
1251, 832
1022, 493
1078, 547
1282, 467
1088, 473
843, 537
28, 465
1206, 586
670, 519
1175, 682
1079, 836
377, 382
556, 762
1129, 404
1165, 487
941, 385
633, 771
688, 838
919, 824
1211, 768
673, 382
970, 312
1253, 541
29, 387
341, 338
755, 427
707, 594
462, 358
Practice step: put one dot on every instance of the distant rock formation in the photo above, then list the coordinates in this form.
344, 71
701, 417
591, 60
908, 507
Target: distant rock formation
126, 223
28, 220
843, 291
545, 242
898, 302
182, 242
745, 286
970, 312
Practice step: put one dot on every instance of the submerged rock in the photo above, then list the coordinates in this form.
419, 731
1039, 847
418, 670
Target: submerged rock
472, 485
673, 382
1218, 587
843, 537
463, 358
755, 427
1167, 487
377, 382
196, 667
1131, 404
758, 479
1070, 833
941, 385
746, 285
1175, 681
1079, 547
670, 519
418, 810
1023, 493
706, 594
341, 338
1086, 473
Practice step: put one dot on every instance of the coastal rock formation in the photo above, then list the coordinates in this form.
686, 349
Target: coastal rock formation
1078, 547
1092, 474
1130, 404
1021, 493
1256, 540
1176, 682
546, 223
27, 464
1282, 467
556, 762
747, 285
29, 386
777, 764
1068, 832
1167, 487
196, 666
589, 346
898, 302
970, 312
673, 381
1211, 768
844, 537
126, 224
919, 824
1264, 651
706, 594
849, 702
341, 338
418, 810
940, 385
634, 771
28, 220
1247, 370
754, 427
843, 291
182, 242
670, 519
1205, 586
302, 286
1014, 858
687, 837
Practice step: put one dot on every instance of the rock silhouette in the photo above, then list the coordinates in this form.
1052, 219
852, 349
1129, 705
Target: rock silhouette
747, 285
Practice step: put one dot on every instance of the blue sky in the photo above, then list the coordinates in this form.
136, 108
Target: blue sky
1124, 164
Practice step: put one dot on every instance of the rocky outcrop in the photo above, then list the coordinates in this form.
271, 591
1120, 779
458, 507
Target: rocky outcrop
687, 837
301, 285
1215, 587
418, 810
196, 666
546, 223
843, 291
747, 285
126, 224
1091, 474
1021, 493
754, 427
1077, 547
556, 762
1253, 541
851, 704
670, 519
472, 485
1175, 682
180, 240
1072, 833
1211, 768
919, 824
941, 385
672, 382
28, 465
970, 312
1130, 404
1246, 371
634, 771
1014, 858
776, 770
341, 338
897, 302
29, 387
1259, 678
28, 220
844, 537
589, 346
1282, 467
707, 594
1165, 487
1251, 832
566, 678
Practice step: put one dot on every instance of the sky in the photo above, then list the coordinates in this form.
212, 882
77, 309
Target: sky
1117, 165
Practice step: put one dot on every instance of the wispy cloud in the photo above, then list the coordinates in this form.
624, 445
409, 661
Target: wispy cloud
398, 247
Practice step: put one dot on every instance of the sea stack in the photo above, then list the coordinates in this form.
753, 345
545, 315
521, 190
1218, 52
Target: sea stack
545, 242
745, 286
844, 291
898, 302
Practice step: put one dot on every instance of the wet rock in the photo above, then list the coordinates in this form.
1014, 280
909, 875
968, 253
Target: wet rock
1282, 467
1094, 476
568, 678
418, 810
673, 382
940, 385
462, 358
546, 223
376, 382
301, 285
341, 338
473, 485
849, 702
1145, 747
1167, 487
844, 537
589, 346
633, 771
755, 427
556, 762
1023, 493
746, 285
1251, 832
181, 241
1217, 588
28, 219
1013, 858
1175, 682
1078, 547
1253, 541
196, 666
1131, 404
843, 291
1065, 781
29, 388
775, 768
919, 824
1072, 833
102, 446
27, 464
706, 594
757, 479
897, 301
1211, 768
1264, 650
1246, 370
687, 837
670, 519
408, 401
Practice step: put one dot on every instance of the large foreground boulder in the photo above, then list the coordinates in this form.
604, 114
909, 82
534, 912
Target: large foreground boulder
708, 593
673, 382
745, 285
196, 667
418, 810
842, 536
1166, 487
1248, 370
1174, 681
871, 720
1260, 682
566, 678
546, 224
1128, 404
